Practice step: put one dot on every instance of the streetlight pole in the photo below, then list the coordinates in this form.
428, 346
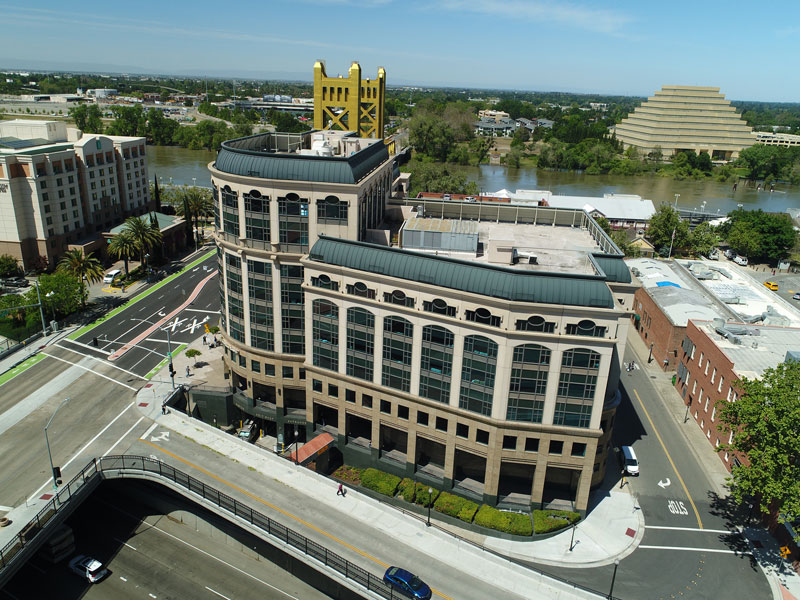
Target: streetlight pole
296, 445
613, 577
430, 497
47, 441
572, 540
41, 312
169, 350
50, 294
650, 358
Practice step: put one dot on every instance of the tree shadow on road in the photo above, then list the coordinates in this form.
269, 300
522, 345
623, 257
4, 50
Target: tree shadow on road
735, 516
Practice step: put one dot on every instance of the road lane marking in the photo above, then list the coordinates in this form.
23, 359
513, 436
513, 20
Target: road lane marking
124, 435
21, 367
669, 458
691, 549
196, 549
95, 372
690, 529
201, 310
121, 577
79, 452
105, 362
149, 431
278, 509
77, 343
217, 593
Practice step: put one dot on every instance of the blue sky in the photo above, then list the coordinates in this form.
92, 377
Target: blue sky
750, 51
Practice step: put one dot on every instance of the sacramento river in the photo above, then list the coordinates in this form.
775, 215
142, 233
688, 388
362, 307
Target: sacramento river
179, 166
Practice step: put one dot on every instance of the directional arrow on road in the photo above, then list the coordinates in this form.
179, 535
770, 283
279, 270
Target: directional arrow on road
664, 484
164, 435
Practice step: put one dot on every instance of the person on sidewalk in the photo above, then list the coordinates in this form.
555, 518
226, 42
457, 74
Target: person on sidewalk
340, 490
204, 340
187, 371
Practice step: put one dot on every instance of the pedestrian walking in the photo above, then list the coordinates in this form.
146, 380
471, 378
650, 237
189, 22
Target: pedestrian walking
340, 490
215, 340
204, 340
187, 371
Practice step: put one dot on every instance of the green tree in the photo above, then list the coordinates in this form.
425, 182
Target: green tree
159, 129
143, 233
193, 204
513, 157
765, 421
82, 266
124, 246
703, 238
439, 178
744, 239
604, 225
760, 235
61, 294
193, 353
87, 117
9, 266
128, 120
430, 135
663, 224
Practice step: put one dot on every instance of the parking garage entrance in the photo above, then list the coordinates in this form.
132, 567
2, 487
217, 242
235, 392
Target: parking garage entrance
469, 473
560, 488
516, 484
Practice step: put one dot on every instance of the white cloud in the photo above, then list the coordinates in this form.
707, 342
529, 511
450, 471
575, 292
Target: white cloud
574, 15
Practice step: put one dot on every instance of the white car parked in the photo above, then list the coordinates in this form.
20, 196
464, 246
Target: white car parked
87, 567
741, 260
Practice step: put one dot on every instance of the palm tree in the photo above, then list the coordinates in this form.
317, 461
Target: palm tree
144, 235
83, 266
123, 245
194, 203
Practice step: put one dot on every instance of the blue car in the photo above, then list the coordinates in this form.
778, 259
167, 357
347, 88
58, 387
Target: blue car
407, 583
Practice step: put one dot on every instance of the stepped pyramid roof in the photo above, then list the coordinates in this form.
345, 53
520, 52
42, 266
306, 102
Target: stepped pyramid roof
679, 117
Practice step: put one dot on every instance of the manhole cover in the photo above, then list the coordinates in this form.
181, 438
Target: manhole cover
652, 376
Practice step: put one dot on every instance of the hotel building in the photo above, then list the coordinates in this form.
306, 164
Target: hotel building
473, 347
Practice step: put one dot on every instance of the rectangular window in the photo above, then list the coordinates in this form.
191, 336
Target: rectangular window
708, 364
255, 366
333, 390
713, 375
402, 412
578, 449
721, 381
700, 360
386, 407
366, 401
509, 442
713, 413
288, 372
242, 361
441, 424
531, 444
556, 447
350, 396
482, 437
462, 430
422, 418
316, 385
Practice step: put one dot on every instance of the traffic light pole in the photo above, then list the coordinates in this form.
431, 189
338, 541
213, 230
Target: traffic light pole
47, 441
169, 353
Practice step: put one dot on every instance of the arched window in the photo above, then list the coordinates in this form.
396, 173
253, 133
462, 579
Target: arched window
577, 385
360, 343
529, 370
536, 323
436, 363
439, 307
331, 210
230, 212
587, 328
477, 374
482, 315
325, 334
399, 298
397, 348
293, 228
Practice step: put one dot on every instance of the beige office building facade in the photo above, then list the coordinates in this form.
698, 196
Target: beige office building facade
680, 117
474, 348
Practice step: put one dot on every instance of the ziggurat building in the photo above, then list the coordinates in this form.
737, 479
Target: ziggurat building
475, 348
687, 118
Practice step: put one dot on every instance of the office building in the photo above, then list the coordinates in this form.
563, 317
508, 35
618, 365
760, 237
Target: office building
475, 352
59, 188
680, 117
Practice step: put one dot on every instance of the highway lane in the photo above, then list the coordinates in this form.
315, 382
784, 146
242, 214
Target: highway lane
151, 555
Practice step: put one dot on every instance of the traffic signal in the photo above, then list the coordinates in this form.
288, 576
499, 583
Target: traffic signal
57, 475
94, 342
171, 370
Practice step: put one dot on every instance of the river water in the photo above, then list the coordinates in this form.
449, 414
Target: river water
180, 166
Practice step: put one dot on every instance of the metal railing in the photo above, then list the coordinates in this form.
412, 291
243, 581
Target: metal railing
274, 529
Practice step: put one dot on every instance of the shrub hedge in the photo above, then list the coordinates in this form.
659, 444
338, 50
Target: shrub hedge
407, 490
348, 473
455, 506
545, 521
500, 520
422, 497
383, 483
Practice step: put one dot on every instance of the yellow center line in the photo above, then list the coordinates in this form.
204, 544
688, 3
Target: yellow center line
276, 508
669, 458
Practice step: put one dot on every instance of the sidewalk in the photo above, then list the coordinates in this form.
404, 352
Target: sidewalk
785, 582
611, 530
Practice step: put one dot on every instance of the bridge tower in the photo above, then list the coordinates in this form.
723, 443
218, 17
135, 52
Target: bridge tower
351, 104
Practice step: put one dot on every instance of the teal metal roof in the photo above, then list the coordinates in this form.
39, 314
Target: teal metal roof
615, 268
163, 220
241, 157
488, 280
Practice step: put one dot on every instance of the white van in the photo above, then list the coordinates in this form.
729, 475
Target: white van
628, 460
111, 276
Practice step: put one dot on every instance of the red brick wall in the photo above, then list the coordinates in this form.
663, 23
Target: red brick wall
655, 328
705, 408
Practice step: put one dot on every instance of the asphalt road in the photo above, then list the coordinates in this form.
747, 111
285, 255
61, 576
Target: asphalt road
150, 555
690, 547
101, 408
